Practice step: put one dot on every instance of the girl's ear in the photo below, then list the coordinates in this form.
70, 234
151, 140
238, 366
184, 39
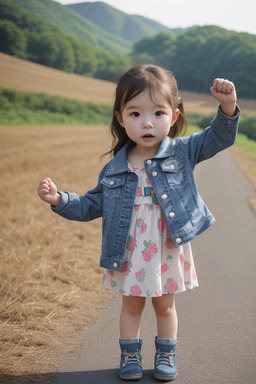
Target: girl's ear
119, 118
175, 116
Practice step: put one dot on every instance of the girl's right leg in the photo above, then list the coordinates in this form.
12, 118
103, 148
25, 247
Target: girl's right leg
132, 308
130, 343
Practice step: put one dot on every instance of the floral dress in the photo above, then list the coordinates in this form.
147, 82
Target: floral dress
153, 265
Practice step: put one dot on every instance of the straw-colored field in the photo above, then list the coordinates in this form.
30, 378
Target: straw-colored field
50, 279
49, 276
30, 77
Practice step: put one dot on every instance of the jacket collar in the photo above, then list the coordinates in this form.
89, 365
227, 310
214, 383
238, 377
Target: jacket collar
166, 149
119, 163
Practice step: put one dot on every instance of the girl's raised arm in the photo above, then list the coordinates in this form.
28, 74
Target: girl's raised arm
47, 191
225, 93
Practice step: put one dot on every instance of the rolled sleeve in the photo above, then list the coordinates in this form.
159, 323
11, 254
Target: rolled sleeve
62, 204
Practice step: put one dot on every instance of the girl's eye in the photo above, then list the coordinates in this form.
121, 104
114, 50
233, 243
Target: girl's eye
159, 113
135, 114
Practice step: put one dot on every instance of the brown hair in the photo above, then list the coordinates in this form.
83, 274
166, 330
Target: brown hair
135, 81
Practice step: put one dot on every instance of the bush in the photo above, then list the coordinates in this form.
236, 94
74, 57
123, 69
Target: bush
26, 108
247, 124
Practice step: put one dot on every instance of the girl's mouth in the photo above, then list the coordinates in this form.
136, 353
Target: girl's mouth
148, 137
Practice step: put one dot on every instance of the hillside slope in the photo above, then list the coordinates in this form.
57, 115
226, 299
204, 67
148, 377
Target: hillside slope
26, 76
129, 27
73, 24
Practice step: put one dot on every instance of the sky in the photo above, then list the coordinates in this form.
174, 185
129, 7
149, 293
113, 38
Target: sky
235, 15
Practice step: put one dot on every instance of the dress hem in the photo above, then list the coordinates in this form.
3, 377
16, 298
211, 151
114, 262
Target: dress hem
190, 288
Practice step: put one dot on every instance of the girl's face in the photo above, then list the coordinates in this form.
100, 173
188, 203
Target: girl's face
147, 120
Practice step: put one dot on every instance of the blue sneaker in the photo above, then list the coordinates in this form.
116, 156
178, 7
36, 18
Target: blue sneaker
165, 360
130, 364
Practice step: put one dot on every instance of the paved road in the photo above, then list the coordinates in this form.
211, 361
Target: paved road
217, 321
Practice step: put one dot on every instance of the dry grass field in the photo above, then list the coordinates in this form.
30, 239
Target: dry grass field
49, 276
30, 77
50, 279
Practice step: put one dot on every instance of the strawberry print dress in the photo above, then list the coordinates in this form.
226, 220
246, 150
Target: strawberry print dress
153, 265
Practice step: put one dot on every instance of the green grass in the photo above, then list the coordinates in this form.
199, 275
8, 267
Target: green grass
192, 128
22, 116
23, 108
246, 144
242, 140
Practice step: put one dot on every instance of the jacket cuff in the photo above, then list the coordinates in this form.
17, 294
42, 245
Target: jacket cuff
63, 202
229, 120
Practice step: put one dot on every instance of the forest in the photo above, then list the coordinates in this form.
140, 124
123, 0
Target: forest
35, 39
201, 54
196, 56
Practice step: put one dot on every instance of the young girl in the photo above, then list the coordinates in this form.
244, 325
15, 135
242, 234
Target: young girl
150, 206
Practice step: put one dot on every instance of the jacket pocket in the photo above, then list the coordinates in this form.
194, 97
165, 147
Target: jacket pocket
189, 202
174, 171
112, 188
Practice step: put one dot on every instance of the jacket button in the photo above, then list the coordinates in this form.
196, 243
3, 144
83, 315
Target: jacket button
171, 214
115, 265
178, 240
111, 182
164, 197
149, 162
154, 173
172, 167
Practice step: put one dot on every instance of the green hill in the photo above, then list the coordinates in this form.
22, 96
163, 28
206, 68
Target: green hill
73, 24
95, 43
129, 27
199, 55
35, 39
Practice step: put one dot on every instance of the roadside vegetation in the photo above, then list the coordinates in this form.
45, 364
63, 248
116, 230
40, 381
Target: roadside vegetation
247, 125
23, 108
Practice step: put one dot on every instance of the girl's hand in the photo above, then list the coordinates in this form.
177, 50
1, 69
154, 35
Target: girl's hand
47, 191
225, 93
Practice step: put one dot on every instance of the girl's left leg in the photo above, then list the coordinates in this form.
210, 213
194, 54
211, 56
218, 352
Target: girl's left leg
166, 316
166, 341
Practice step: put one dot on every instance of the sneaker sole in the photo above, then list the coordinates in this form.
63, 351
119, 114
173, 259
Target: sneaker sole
165, 378
128, 378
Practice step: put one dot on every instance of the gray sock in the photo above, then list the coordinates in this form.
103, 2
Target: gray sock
131, 340
166, 341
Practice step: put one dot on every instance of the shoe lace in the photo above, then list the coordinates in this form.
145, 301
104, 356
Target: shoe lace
131, 358
165, 357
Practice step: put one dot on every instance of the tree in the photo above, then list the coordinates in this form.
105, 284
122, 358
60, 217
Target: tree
109, 66
53, 50
13, 41
158, 49
84, 56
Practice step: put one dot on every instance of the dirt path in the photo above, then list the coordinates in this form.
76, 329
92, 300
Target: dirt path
217, 333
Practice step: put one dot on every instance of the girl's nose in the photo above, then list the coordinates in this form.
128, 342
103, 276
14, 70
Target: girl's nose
147, 124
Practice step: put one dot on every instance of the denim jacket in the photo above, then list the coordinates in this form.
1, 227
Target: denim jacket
171, 174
